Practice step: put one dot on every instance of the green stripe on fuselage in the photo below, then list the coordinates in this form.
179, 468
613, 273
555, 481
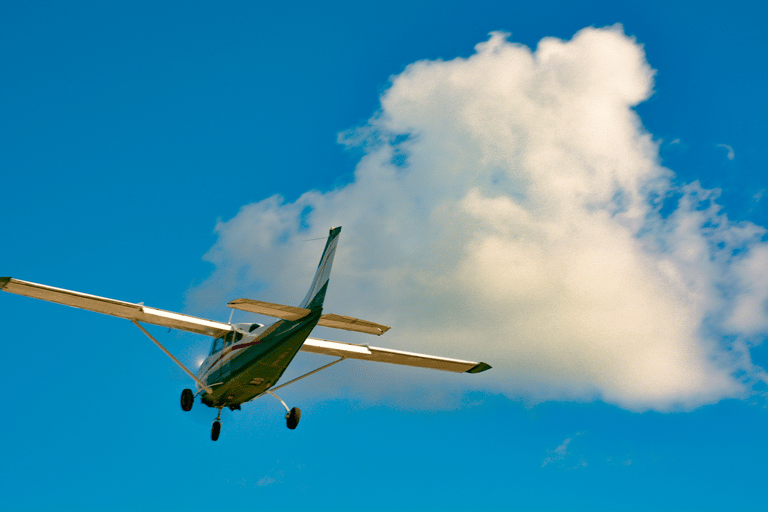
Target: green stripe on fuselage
259, 367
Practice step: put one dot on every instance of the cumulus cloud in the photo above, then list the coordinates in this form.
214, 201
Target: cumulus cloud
511, 208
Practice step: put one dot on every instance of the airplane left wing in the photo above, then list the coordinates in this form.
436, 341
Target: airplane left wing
118, 308
386, 355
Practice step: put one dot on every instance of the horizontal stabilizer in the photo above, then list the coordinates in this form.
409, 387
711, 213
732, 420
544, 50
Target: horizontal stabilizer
292, 313
386, 355
352, 324
270, 309
118, 308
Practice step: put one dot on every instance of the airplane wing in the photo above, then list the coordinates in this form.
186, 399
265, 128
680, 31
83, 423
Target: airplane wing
347, 323
386, 355
121, 309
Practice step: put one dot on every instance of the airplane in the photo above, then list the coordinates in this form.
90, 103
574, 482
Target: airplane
246, 360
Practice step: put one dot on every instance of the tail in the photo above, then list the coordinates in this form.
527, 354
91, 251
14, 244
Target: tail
314, 299
316, 294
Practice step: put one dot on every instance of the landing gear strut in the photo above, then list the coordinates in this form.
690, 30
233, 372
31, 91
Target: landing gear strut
293, 416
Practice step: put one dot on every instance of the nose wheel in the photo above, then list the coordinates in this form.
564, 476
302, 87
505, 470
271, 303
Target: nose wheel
216, 427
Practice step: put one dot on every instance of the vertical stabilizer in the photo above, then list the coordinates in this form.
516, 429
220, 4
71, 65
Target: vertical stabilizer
316, 294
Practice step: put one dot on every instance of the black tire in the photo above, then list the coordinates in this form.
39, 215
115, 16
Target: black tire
187, 400
215, 429
292, 418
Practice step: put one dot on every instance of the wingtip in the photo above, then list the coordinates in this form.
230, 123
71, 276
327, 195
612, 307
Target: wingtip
4, 281
479, 367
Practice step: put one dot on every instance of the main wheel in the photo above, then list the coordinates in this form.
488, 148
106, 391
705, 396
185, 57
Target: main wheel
187, 399
215, 429
292, 418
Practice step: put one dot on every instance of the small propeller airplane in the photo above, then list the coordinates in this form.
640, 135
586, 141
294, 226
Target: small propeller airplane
247, 359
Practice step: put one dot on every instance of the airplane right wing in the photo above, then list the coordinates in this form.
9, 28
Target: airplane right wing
386, 355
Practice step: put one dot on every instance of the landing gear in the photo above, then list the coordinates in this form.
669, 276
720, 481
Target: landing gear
292, 418
187, 399
216, 427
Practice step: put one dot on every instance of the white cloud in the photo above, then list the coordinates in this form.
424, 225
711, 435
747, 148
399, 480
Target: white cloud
561, 453
731, 153
507, 209
557, 454
264, 481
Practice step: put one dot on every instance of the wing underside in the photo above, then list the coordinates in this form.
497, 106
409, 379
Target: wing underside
121, 309
386, 355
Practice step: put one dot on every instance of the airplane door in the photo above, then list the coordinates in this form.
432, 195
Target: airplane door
226, 368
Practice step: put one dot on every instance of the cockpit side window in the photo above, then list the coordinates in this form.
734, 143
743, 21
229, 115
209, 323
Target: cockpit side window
225, 341
217, 345
254, 327
231, 337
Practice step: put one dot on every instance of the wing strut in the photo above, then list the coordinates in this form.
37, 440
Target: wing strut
270, 391
199, 382
308, 374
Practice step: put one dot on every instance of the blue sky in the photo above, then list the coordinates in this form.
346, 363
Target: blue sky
141, 143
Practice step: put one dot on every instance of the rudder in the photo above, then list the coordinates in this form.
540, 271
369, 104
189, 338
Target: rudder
316, 294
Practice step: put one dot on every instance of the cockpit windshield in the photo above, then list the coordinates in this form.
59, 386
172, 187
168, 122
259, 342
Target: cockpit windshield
223, 342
